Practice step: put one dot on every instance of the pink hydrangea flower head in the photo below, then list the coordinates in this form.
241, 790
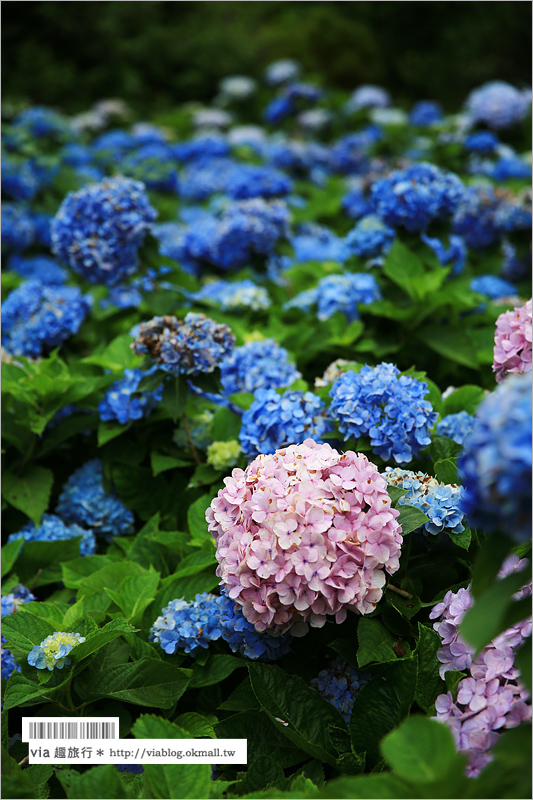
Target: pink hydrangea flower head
303, 534
512, 342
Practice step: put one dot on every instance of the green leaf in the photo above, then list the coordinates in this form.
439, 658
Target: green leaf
364, 786
446, 470
452, 679
288, 698
196, 725
101, 781
452, 343
10, 553
40, 563
110, 430
116, 356
464, 398
264, 737
225, 425
20, 690
487, 617
421, 750
135, 594
488, 563
74, 572
381, 705
161, 463
443, 447
375, 643
194, 563
99, 638
203, 475
24, 630
462, 539
395, 493
175, 392
523, 662
405, 269
263, 772
198, 523
215, 670
149, 682
410, 518
428, 682
241, 699
29, 492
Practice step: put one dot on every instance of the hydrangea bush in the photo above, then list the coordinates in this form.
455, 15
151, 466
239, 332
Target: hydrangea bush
266, 408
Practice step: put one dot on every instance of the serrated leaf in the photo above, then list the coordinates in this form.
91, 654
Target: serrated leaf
446, 471
135, 594
410, 518
150, 682
196, 725
215, 670
101, 781
24, 630
20, 690
463, 539
161, 463
29, 492
421, 751
395, 493
99, 638
375, 643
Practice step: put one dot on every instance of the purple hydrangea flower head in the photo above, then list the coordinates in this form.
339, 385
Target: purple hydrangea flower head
36, 317
304, 533
84, 501
371, 237
456, 426
387, 407
274, 420
256, 365
54, 529
414, 197
124, 402
339, 293
189, 346
339, 684
53, 651
496, 461
99, 229
497, 104
425, 112
512, 342
439, 501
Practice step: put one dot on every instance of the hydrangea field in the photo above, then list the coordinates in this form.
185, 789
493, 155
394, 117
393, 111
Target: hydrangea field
267, 440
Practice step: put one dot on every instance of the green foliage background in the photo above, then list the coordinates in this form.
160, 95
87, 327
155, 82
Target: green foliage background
156, 54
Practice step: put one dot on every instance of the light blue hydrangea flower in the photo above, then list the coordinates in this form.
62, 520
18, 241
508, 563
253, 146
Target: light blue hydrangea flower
497, 104
456, 426
439, 501
53, 529
338, 293
261, 364
53, 651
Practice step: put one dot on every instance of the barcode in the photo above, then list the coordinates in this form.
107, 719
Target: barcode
71, 730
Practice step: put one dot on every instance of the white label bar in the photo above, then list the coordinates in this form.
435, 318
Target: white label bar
140, 751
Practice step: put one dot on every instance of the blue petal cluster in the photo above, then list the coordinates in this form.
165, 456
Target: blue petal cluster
204, 146
497, 104
243, 638
230, 239
99, 229
18, 228
386, 406
496, 461
194, 344
439, 501
317, 243
339, 293
356, 204
238, 181
482, 142
425, 112
339, 685
416, 196
368, 96
192, 626
485, 215
371, 237
229, 296
456, 426
153, 164
275, 420
55, 529
124, 402
19, 179
36, 318
40, 122
257, 365
9, 665
53, 651
493, 286
83, 501
38, 268
455, 254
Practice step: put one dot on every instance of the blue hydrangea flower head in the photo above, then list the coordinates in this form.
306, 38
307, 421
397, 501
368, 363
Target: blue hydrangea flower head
485, 215
243, 638
19, 596
9, 665
189, 346
154, 165
425, 112
497, 104
483, 142
455, 254
99, 229
493, 286
256, 365
124, 402
53, 651
439, 501
496, 461
371, 237
278, 109
368, 96
36, 318
38, 268
275, 420
18, 228
203, 146
387, 407
356, 204
339, 685
54, 529
19, 179
40, 122
83, 501
231, 296
338, 293
414, 197
188, 626
318, 243
456, 426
